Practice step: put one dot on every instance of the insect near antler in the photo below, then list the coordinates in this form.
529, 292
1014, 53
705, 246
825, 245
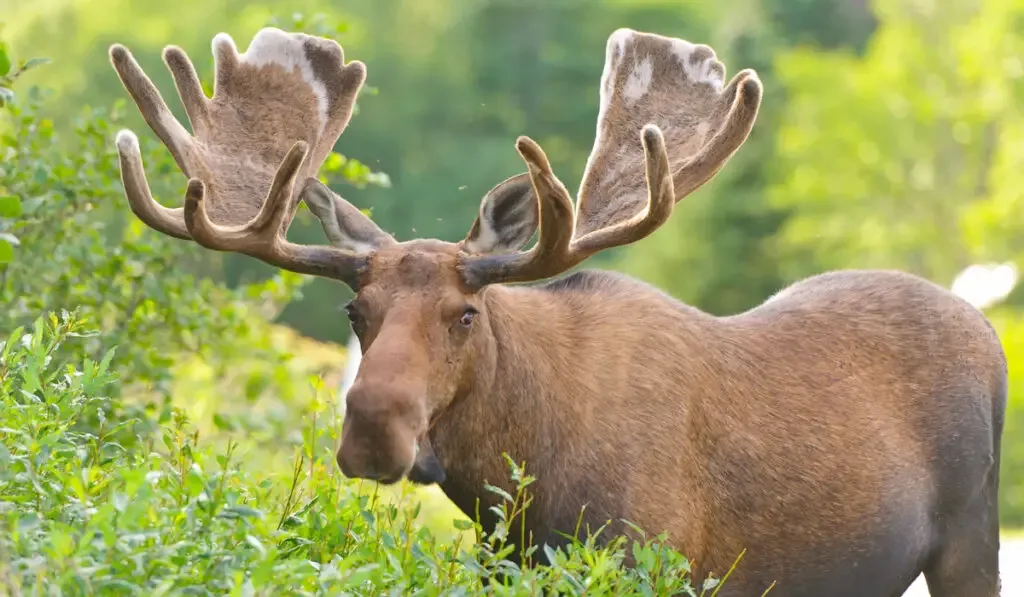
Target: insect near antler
845, 433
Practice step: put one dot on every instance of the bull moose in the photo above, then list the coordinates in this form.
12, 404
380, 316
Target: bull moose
845, 433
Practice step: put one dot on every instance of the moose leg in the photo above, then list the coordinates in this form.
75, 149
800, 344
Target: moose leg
967, 562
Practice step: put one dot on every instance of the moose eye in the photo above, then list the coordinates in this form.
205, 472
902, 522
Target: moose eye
354, 317
468, 316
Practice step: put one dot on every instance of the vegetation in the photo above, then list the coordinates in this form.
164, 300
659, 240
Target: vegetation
167, 419
97, 499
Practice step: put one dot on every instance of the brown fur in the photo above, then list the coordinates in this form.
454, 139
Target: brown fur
845, 433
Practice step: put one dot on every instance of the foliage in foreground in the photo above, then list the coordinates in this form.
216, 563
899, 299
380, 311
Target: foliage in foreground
97, 501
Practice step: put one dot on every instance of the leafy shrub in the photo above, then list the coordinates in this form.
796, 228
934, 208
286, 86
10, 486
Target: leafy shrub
90, 506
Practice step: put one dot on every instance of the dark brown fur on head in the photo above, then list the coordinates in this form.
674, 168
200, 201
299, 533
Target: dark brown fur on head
845, 433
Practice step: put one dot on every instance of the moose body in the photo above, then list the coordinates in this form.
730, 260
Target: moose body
845, 433
864, 408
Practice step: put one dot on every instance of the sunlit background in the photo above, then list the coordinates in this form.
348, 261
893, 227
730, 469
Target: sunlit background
891, 135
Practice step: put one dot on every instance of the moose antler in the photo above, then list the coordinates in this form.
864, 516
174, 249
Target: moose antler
666, 124
275, 114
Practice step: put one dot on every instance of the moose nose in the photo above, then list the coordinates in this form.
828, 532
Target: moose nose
377, 440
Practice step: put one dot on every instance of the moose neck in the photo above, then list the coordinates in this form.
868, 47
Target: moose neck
531, 398
507, 406
512, 406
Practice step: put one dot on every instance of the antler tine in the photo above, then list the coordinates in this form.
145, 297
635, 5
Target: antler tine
136, 188
190, 90
670, 92
264, 237
551, 253
152, 106
555, 250
260, 234
661, 199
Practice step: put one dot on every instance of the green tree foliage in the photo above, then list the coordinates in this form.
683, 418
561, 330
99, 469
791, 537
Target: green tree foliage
907, 156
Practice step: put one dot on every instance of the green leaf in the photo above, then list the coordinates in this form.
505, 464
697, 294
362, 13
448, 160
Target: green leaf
5, 61
498, 491
33, 63
10, 207
6, 95
6, 251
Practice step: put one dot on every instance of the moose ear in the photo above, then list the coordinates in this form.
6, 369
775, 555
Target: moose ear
345, 226
507, 220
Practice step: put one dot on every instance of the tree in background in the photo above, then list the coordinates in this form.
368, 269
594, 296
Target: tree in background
907, 156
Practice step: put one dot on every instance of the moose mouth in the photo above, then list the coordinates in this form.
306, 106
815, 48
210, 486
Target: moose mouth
426, 468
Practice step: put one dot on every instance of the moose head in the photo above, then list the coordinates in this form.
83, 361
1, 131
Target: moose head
668, 122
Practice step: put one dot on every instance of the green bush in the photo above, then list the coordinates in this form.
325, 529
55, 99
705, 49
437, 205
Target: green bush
89, 505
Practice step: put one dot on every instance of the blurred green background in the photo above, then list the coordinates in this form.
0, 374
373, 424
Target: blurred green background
890, 134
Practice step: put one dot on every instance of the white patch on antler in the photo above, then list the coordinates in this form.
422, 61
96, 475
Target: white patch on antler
620, 37
699, 73
638, 81
273, 46
127, 142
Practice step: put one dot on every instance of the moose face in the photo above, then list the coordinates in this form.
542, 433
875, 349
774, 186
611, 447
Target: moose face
420, 329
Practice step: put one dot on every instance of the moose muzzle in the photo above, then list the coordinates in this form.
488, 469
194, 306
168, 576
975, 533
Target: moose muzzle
378, 440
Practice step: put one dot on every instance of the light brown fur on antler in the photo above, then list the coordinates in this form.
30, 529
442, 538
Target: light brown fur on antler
286, 88
666, 124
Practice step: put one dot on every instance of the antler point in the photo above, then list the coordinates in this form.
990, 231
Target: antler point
223, 40
127, 141
195, 190
171, 49
118, 53
650, 134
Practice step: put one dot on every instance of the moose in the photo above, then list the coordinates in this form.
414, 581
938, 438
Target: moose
845, 433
